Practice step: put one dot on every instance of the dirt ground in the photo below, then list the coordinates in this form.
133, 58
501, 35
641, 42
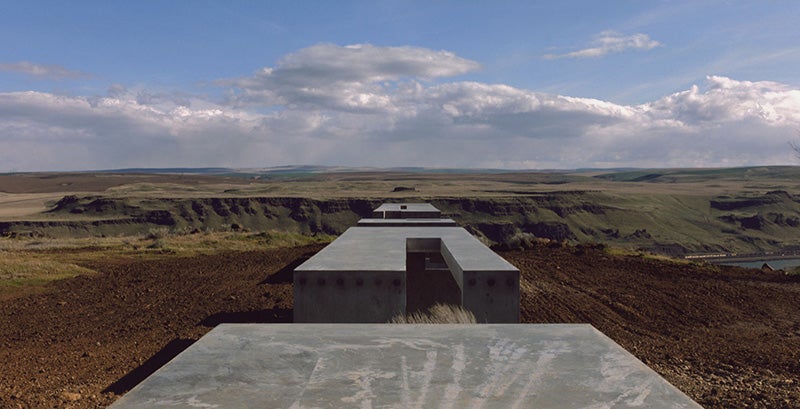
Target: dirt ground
727, 337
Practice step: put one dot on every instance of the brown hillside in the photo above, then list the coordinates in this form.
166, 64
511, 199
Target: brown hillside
728, 337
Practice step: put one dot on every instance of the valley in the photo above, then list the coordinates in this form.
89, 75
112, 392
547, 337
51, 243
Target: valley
671, 212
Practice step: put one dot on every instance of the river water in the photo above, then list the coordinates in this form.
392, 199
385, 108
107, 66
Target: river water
778, 264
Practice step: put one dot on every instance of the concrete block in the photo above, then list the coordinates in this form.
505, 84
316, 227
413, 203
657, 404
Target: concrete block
492, 296
428, 256
404, 366
349, 296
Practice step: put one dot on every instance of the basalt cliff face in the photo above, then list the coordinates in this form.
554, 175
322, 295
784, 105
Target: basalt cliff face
495, 219
667, 224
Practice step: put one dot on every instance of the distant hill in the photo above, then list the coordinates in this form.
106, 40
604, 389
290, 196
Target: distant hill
301, 169
698, 175
670, 211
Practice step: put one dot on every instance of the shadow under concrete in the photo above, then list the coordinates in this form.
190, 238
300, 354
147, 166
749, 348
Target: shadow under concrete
285, 275
134, 377
269, 316
178, 345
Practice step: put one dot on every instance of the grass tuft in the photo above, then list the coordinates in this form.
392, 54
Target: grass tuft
438, 314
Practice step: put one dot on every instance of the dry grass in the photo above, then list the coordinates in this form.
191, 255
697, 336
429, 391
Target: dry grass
176, 242
23, 272
211, 243
16, 267
43, 187
29, 264
24, 205
438, 314
624, 252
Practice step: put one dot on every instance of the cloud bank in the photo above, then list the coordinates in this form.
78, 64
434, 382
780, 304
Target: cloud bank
366, 105
609, 42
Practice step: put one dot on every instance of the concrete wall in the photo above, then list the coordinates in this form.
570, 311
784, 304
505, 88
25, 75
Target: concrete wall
348, 297
492, 296
366, 276
427, 285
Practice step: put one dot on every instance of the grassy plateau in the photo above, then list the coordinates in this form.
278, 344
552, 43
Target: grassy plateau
123, 215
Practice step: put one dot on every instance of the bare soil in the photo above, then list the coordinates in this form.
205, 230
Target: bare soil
728, 337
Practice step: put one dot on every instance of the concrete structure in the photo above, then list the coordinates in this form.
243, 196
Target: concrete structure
404, 366
406, 211
382, 267
406, 222
390, 265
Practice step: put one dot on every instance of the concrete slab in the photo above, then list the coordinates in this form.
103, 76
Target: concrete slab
406, 222
406, 210
404, 366
384, 249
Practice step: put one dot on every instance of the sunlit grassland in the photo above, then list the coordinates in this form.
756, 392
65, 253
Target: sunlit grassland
625, 252
28, 264
15, 206
634, 209
431, 185
23, 272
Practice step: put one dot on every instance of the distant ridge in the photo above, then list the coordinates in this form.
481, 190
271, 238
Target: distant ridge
164, 170
301, 169
614, 174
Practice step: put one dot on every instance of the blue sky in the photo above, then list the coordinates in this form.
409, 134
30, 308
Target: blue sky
568, 84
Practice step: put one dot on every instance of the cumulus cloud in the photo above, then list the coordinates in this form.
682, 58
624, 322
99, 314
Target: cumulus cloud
354, 77
726, 100
49, 131
609, 42
42, 71
310, 110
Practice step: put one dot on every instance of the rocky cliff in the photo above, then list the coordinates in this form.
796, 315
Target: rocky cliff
665, 224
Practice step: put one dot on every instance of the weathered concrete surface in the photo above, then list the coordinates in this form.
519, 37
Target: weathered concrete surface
384, 249
491, 292
404, 366
348, 297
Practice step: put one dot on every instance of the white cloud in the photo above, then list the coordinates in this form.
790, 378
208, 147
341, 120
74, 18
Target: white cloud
726, 101
609, 42
351, 78
43, 71
383, 115
92, 133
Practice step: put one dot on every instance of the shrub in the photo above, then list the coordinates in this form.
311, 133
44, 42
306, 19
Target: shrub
158, 244
157, 233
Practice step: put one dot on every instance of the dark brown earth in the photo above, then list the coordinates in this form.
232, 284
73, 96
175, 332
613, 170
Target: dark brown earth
728, 337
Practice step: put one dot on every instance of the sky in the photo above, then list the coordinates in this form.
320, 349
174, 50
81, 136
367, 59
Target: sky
111, 84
